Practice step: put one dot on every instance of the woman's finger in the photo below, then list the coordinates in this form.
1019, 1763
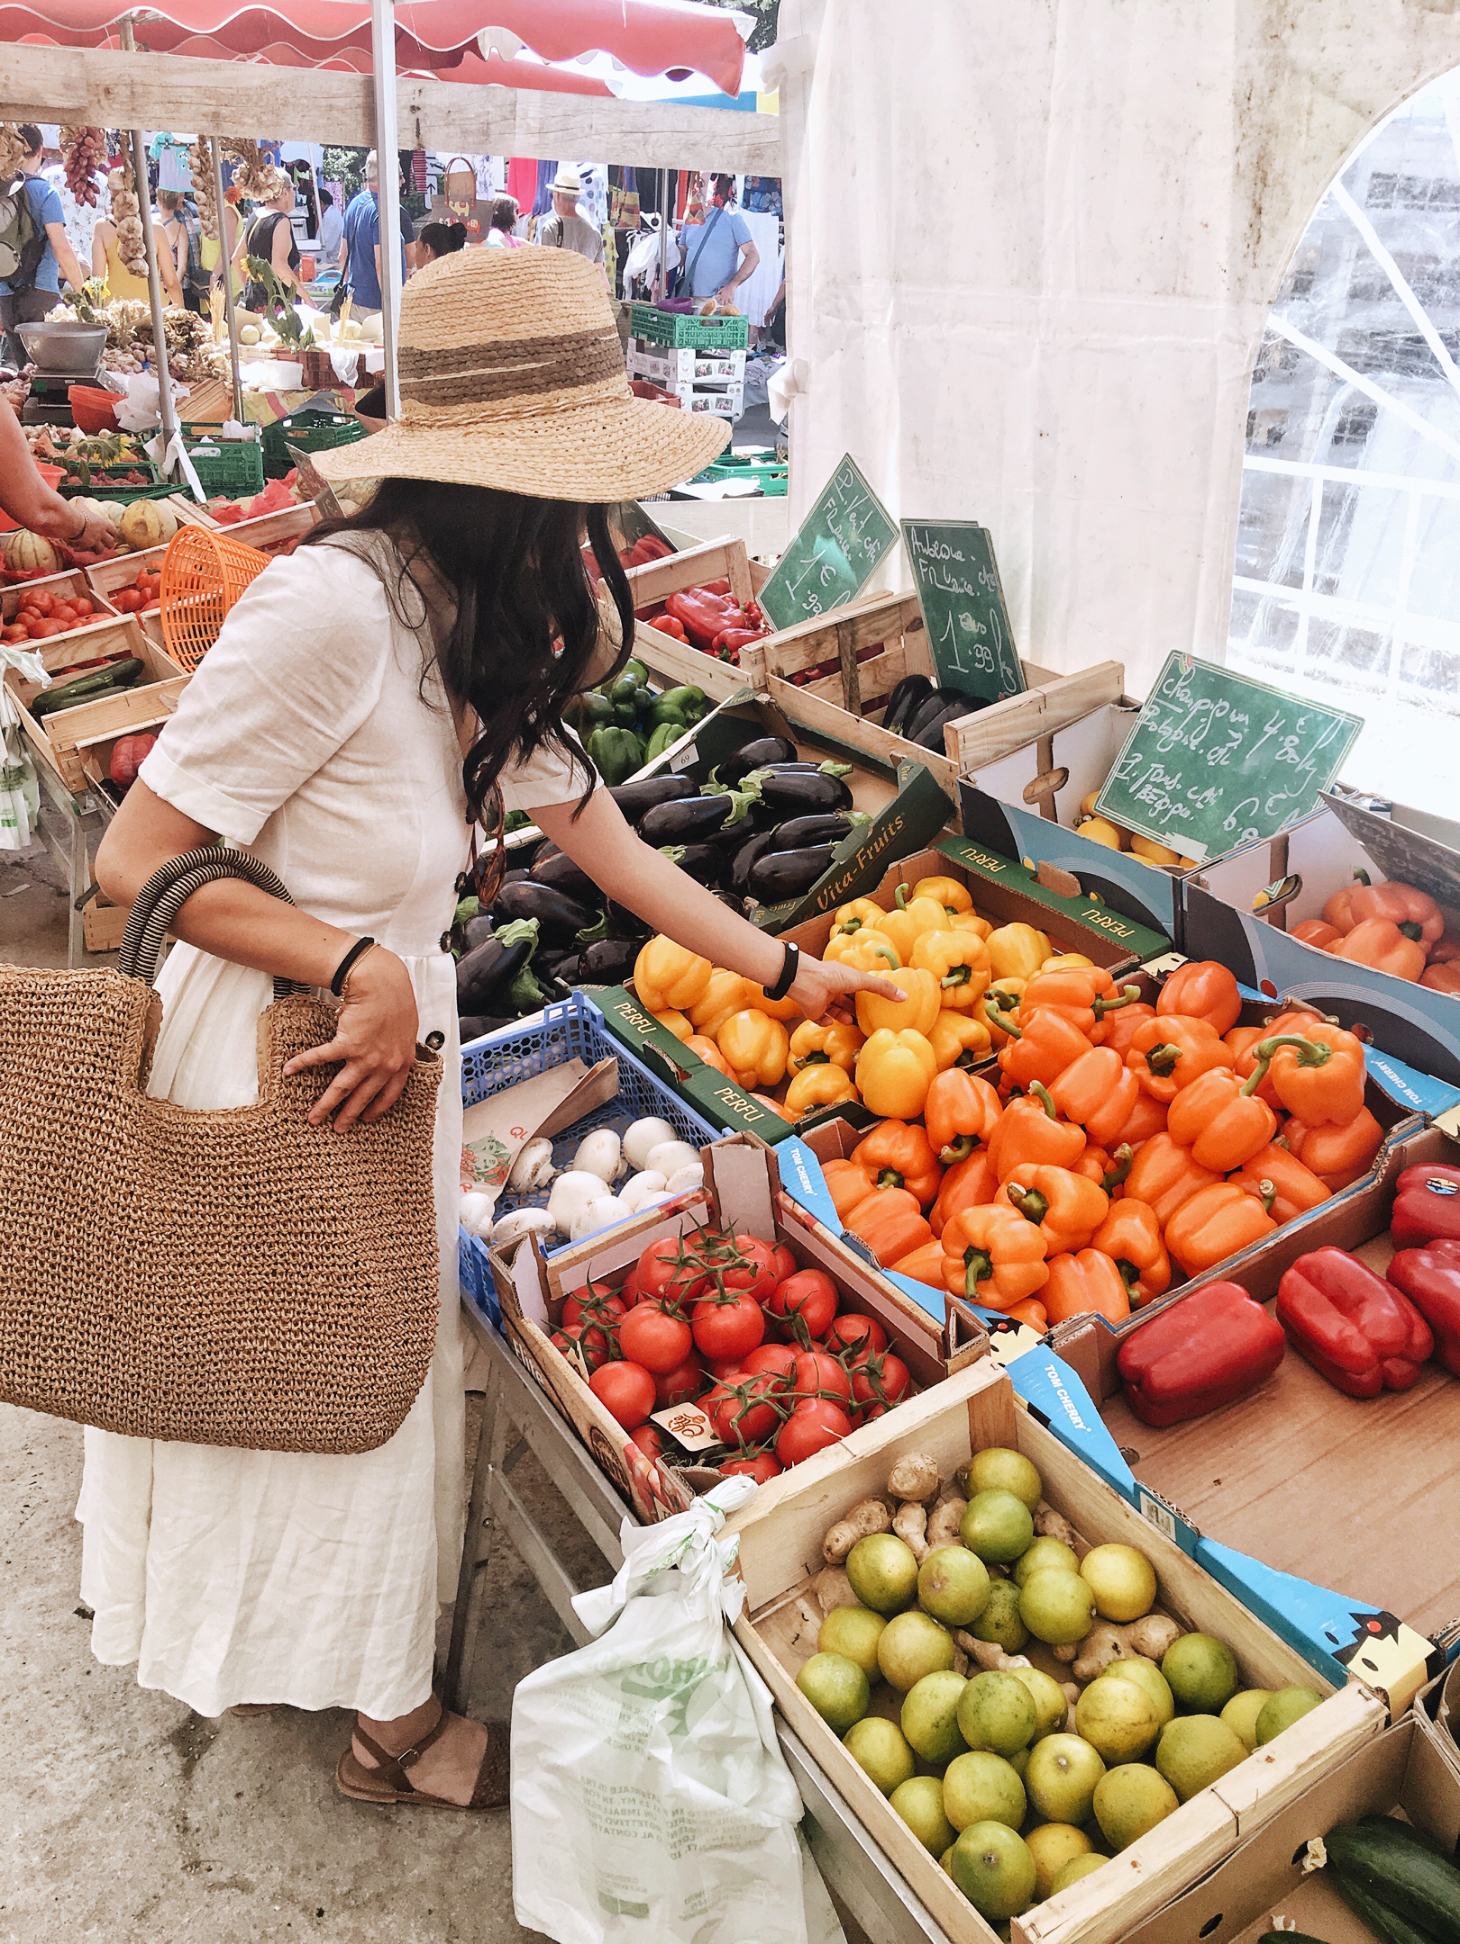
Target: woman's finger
338, 1091
389, 1094
316, 1056
359, 1100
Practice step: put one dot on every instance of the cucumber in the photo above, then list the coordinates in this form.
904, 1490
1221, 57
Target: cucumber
1390, 1865
104, 681
1386, 1924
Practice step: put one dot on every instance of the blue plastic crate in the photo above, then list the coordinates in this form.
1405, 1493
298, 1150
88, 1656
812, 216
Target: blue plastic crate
573, 1029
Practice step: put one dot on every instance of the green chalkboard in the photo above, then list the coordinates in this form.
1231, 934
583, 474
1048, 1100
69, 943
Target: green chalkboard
1216, 761
958, 589
834, 553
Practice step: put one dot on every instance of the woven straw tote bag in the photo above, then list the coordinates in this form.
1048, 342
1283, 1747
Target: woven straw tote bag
226, 1277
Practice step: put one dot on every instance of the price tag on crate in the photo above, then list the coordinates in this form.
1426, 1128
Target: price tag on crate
962, 601
836, 550
688, 1426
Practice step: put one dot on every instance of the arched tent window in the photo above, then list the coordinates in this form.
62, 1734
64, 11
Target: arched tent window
1347, 575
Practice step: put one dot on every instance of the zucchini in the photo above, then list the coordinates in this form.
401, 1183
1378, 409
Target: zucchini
1393, 1867
1386, 1924
105, 681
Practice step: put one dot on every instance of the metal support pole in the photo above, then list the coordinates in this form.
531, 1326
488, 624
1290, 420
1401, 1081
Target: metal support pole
382, 17
215, 150
154, 281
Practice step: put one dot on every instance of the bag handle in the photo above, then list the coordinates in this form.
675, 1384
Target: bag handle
168, 890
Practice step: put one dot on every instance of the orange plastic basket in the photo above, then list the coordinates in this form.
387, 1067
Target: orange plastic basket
203, 574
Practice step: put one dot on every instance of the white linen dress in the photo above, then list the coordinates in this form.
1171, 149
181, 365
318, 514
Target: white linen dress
249, 1576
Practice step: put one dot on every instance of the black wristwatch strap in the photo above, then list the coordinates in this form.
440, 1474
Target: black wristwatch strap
788, 974
342, 971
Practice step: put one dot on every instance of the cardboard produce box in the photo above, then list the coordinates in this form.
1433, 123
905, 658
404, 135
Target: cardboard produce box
1272, 1873
742, 1185
1445, 1699
59, 739
780, 1551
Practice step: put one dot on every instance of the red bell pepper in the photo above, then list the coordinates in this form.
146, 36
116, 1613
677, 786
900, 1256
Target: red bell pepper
1211, 1348
1430, 1278
1356, 1329
1426, 1206
703, 615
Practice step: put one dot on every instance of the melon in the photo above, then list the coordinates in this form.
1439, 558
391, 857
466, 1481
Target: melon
147, 523
28, 553
372, 330
248, 334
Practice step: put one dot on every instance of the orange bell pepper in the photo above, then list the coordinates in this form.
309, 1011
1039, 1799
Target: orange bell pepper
1444, 977
1108, 1171
896, 1155
709, 1053
1066, 1206
1317, 1075
1221, 1125
778, 1009
834, 1042
1131, 1236
1339, 911
946, 891
1202, 989
958, 961
961, 1111
1084, 1283
1445, 950
958, 1039
1087, 994
1337, 1154
1239, 1041
1164, 1175
755, 1047
1245, 1040
1147, 1117
914, 1012
1044, 1043
967, 1184
668, 977
863, 950
1280, 1182
1317, 932
1383, 947
847, 1184
924, 1265
1004, 996
1030, 1311
891, 1224
1170, 1051
862, 914
1414, 912
726, 993
676, 1023
894, 1072
1213, 1225
1121, 1027
1098, 1091
991, 1255
1030, 1132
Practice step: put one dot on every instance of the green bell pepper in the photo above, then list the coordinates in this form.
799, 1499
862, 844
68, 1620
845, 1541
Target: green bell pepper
665, 736
686, 705
616, 753
637, 670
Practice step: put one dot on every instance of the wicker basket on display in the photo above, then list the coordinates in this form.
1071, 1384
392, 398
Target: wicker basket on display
203, 574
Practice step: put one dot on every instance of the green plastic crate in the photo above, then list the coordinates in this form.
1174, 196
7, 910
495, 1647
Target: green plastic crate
231, 467
674, 329
104, 484
312, 431
773, 478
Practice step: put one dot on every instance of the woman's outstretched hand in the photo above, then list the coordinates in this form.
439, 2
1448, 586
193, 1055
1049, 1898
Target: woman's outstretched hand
375, 1037
823, 987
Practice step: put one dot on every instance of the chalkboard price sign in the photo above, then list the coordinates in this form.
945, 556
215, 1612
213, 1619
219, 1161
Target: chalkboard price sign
1216, 761
835, 552
962, 601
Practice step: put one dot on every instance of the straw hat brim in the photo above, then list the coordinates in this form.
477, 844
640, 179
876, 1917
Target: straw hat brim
600, 452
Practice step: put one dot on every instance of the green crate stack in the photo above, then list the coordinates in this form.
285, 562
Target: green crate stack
651, 325
773, 478
229, 468
310, 430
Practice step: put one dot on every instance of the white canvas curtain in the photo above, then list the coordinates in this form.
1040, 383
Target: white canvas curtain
1032, 246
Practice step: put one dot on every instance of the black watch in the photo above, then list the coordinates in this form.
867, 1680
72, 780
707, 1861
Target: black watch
788, 974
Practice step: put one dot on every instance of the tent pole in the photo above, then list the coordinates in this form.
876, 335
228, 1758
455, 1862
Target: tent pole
215, 150
382, 18
154, 281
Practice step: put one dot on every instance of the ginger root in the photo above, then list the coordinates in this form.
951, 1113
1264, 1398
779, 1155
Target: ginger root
988, 1654
945, 1522
915, 1476
1152, 1635
860, 1523
833, 1589
911, 1525
1145, 1639
1050, 1524
1064, 1652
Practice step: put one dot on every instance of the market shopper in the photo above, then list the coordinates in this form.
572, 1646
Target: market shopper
184, 235
108, 266
331, 229
504, 221
436, 240
398, 675
718, 252
565, 229
270, 238
33, 292
360, 251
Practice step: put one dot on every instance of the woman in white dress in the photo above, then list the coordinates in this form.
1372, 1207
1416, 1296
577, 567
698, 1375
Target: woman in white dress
362, 701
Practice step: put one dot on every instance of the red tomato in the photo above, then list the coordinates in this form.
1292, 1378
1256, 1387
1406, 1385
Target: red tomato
667, 1268
628, 1293
626, 1392
81, 605
777, 1357
762, 1467
43, 630
675, 1386
743, 1413
128, 600
593, 1344
810, 1294
818, 1375
652, 1337
731, 1327
650, 1440
854, 1332
883, 1379
16, 631
594, 1301
783, 1262
721, 1368
40, 601
65, 614
811, 1427
750, 1267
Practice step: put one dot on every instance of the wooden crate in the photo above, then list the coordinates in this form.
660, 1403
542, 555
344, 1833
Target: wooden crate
780, 1535
109, 575
73, 581
60, 739
274, 533
103, 925
189, 512
715, 560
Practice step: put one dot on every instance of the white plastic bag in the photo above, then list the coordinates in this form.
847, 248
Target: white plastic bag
649, 1798
20, 791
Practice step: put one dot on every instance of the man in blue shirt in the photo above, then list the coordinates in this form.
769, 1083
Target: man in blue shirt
717, 254
27, 300
360, 252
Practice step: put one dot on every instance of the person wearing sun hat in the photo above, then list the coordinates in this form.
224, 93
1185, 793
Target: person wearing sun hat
565, 229
370, 698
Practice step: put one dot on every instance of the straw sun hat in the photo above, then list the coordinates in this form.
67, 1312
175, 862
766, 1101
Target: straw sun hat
512, 376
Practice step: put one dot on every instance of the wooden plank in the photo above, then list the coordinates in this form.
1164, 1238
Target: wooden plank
1008, 725
724, 559
675, 663
821, 716
142, 90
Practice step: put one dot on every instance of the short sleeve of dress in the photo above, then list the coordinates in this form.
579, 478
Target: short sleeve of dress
547, 777
296, 670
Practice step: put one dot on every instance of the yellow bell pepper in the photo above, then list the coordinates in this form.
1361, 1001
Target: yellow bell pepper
894, 1072
818, 1086
958, 1039
676, 1023
864, 951
970, 921
1087, 803
914, 1012
916, 915
1154, 853
669, 977
1017, 951
945, 891
1068, 962
959, 961
1100, 830
1003, 996
834, 1042
772, 1008
726, 993
755, 1047
860, 915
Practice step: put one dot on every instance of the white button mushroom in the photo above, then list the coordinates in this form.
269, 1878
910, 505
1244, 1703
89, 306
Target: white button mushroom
600, 1153
600, 1213
666, 1157
571, 1193
636, 1191
690, 1176
533, 1168
475, 1211
523, 1221
644, 1135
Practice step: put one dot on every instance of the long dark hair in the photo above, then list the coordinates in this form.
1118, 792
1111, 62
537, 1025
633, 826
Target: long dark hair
526, 626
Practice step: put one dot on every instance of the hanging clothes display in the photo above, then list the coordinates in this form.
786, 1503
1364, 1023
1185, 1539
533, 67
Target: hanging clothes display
542, 200
169, 156
522, 182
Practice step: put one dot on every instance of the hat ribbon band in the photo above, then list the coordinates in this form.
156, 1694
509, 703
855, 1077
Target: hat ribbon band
470, 373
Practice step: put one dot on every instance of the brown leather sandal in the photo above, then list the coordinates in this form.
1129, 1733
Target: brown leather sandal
391, 1783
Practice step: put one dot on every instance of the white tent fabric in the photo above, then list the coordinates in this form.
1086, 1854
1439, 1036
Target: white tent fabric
1033, 244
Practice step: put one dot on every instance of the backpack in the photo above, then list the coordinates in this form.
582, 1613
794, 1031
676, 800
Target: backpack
22, 240
197, 276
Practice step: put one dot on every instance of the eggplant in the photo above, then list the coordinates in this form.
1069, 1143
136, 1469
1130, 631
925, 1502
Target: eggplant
697, 820
623, 923
800, 792
745, 857
608, 961
703, 862
754, 755
559, 917
787, 874
564, 875
637, 797
562, 966
930, 736
826, 827
938, 701
910, 692
483, 976
515, 877
476, 931
472, 1026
